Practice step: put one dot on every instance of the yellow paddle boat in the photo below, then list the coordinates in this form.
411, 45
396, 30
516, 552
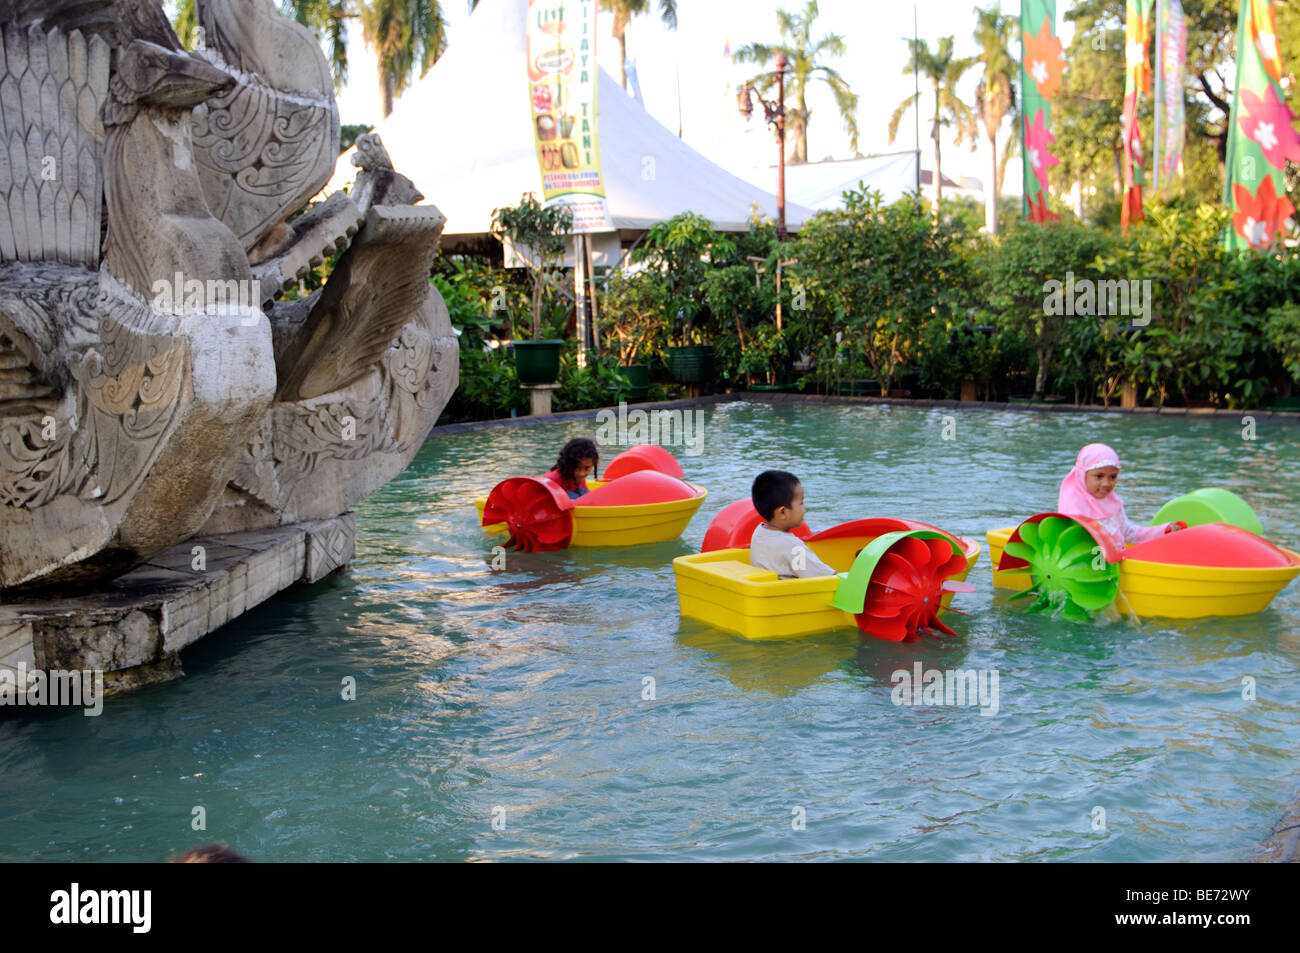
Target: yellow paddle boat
895, 576
1215, 567
643, 499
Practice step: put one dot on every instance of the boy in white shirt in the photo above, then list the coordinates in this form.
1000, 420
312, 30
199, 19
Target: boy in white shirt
778, 498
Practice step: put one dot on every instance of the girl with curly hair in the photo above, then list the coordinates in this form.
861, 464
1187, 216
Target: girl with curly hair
577, 461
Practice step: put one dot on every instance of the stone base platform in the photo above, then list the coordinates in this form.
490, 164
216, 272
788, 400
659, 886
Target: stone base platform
133, 629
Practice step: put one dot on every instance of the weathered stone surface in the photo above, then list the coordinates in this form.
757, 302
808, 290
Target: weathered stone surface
365, 365
139, 622
269, 143
308, 241
52, 144
123, 409
16, 643
331, 544
150, 388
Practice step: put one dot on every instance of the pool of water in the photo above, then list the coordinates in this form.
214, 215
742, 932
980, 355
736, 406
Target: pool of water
504, 714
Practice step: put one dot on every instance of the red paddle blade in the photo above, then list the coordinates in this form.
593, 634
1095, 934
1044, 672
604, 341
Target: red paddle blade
906, 590
537, 513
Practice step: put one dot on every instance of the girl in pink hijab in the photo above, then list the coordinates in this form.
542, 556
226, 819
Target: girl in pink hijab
1089, 490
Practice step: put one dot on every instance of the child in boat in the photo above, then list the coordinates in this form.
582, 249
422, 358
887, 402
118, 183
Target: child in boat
577, 461
1089, 490
778, 498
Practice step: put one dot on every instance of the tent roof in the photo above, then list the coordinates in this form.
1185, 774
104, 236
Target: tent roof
821, 185
463, 135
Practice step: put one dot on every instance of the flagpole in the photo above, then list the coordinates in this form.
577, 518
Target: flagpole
916, 102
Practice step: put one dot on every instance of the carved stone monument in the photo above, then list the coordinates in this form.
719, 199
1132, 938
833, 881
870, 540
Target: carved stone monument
152, 387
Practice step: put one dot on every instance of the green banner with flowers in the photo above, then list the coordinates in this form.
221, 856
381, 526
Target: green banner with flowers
1261, 134
1041, 64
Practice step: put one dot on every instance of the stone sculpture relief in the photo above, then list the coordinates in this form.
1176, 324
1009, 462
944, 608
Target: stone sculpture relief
151, 386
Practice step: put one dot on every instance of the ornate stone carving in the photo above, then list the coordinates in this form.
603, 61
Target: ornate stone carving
136, 410
51, 145
378, 183
105, 475
268, 144
120, 420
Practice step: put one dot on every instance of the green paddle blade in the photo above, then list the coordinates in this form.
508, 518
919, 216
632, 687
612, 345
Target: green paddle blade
851, 593
1068, 574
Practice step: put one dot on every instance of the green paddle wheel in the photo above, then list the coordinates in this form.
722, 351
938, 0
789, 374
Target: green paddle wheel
1069, 569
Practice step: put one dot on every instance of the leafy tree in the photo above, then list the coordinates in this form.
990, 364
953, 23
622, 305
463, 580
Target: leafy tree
538, 234
624, 11
943, 70
635, 309
1027, 257
1087, 122
995, 96
882, 274
802, 56
682, 250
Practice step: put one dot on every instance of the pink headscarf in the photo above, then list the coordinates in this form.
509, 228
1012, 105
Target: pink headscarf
1075, 500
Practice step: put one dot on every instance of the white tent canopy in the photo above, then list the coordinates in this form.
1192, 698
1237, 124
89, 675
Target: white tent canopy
821, 185
463, 135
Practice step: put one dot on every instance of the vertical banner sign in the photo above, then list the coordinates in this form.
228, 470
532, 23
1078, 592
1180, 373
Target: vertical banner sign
1171, 59
562, 81
1261, 134
1137, 80
1041, 65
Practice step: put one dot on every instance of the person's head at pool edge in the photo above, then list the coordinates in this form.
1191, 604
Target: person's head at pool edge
778, 498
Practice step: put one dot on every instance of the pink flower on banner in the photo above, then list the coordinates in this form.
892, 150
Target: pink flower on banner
1037, 139
1266, 121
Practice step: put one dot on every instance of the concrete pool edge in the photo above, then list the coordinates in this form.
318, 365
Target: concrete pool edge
768, 397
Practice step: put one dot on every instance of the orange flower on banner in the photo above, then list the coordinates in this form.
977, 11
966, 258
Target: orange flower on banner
1043, 60
1038, 210
1263, 33
1260, 217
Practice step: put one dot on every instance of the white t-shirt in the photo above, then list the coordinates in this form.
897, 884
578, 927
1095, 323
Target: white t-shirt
785, 554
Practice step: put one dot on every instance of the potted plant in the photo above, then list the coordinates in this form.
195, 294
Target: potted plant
537, 232
634, 312
682, 250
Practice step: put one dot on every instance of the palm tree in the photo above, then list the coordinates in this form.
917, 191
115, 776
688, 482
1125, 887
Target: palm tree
801, 56
624, 11
995, 96
328, 20
944, 71
399, 31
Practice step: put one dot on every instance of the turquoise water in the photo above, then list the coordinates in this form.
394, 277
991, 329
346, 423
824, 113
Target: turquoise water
517, 696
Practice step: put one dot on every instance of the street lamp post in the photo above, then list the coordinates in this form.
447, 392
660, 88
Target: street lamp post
774, 114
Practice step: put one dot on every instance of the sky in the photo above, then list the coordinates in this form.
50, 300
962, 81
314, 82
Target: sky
692, 59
